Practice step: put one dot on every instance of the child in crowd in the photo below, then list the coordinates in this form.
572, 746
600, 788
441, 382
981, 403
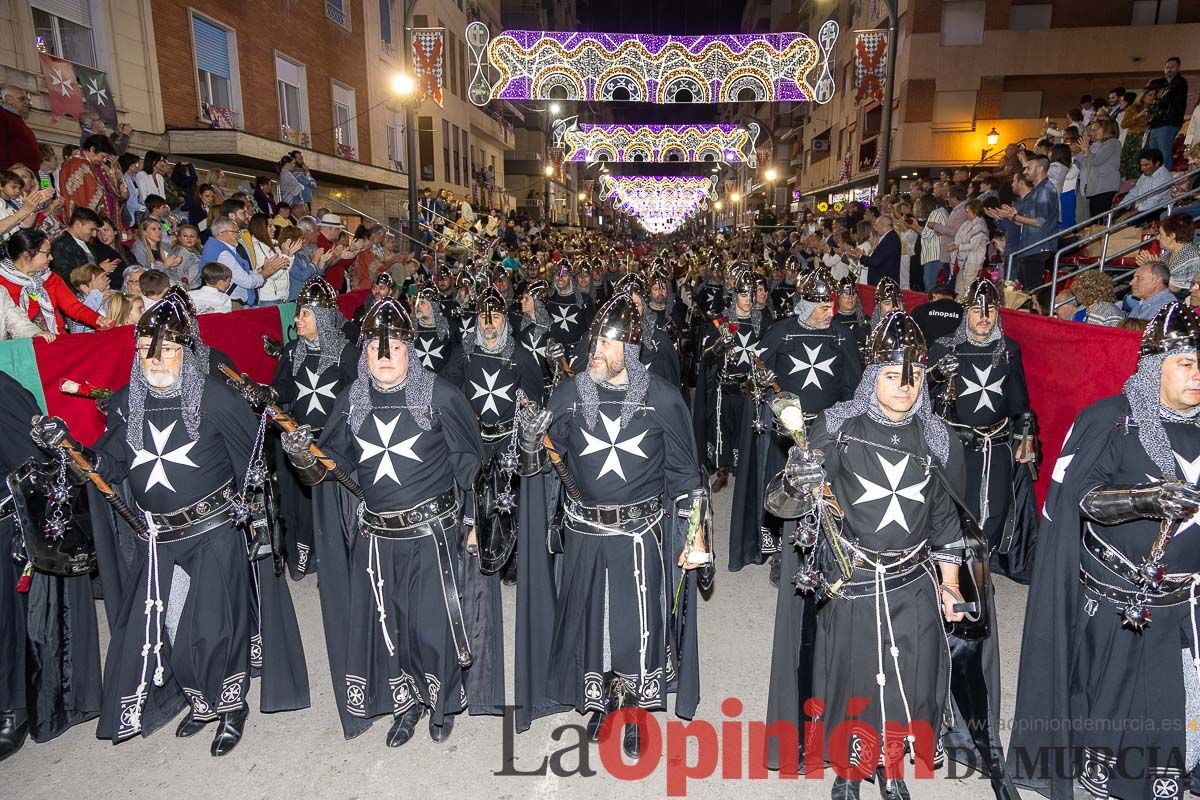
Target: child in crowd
124, 308
154, 284
90, 283
213, 296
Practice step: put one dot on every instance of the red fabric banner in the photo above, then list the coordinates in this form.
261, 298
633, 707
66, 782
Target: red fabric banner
1068, 366
104, 358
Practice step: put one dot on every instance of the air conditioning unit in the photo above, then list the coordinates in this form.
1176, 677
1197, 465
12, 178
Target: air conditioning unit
820, 144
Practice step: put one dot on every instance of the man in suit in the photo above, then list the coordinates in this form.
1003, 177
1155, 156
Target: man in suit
73, 247
885, 258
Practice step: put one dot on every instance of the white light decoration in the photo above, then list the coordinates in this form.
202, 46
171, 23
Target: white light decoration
661, 203
683, 143
543, 65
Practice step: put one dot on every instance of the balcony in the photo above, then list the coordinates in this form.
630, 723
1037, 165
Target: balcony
336, 11
494, 128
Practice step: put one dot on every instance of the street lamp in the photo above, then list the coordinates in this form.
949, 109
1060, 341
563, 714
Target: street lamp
582, 197
549, 171
402, 85
993, 136
718, 205
771, 174
735, 197
555, 108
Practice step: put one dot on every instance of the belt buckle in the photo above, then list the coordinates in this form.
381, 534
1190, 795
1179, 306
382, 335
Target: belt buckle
635, 512
203, 507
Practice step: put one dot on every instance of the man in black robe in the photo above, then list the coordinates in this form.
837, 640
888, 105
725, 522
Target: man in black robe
433, 340
191, 617
50, 670
410, 624
887, 571
312, 371
729, 350
533, 333
990, 414
1109, 685
495, 372
812, 357
850, 310
619, 628
570, 310
383, 286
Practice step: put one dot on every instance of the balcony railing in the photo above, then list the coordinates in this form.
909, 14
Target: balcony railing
336, 12
296, 137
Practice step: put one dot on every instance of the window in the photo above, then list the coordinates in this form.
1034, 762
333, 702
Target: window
339, 12
395, 140
345, 127
466, 169
292, 87
1029, 18
962, 22
954, 111
446, 148
215, 49
420, 21
457, 163
425, 147
1155, 12
385, 21
63, 28
452, 83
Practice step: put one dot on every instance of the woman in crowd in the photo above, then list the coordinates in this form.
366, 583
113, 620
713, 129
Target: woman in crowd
153, 177
180, 185
148, 250
1179, 252
262, 196
217, 180
1101, 164
107, 245
1096, 296
970, 246
135, 207
1136, 123
1065, 176
18, 211
199, 204
42, 295
188, 250
262, 236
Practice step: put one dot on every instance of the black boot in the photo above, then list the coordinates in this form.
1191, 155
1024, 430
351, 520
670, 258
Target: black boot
14, 729
844, 789
440, 733
229, 731
594, 724
631, 740
776, 563
190, 726
892, 789
508, 576
403, 727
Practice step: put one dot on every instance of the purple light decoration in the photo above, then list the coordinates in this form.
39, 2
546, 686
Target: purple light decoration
615, 66
682, 142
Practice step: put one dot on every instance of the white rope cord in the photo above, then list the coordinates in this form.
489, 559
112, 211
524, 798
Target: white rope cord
374, 568
153, 607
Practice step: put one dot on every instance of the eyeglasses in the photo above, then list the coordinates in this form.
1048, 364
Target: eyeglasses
45, 252
166, 351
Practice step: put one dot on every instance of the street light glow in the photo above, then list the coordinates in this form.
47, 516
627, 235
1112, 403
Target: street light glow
771, 174
402, 84
582, 197
555, 108
735, 197
718, 205
549, 171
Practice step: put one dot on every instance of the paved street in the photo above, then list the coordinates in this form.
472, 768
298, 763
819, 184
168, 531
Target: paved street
303, 755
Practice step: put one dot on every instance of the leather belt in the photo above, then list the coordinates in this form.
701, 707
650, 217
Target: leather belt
911, 571
616, 514
493, 432
1127, 597
1168, 592
202, 516
406, 523
978, 437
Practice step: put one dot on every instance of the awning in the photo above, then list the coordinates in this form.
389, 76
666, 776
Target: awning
257, 153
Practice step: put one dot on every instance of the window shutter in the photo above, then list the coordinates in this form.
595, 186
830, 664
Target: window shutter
76, 11
212, 47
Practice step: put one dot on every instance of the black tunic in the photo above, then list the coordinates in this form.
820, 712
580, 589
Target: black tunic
432, 349
385, 666
308, 396
1087, 684
821, 367
50, 670
211, 631
569, 320
566, 643
989, 389
881, 474
719, 403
